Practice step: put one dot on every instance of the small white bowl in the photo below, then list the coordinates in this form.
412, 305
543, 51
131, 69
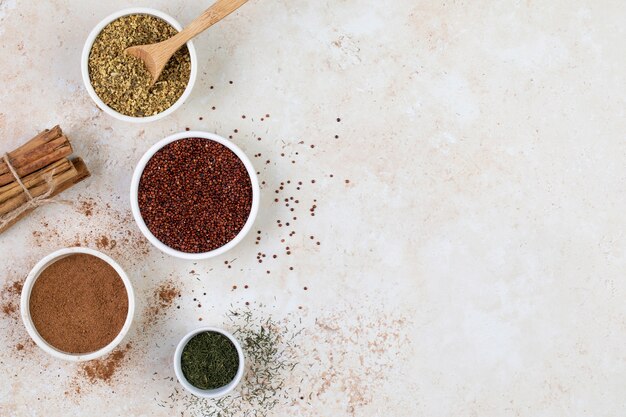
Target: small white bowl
134, 193
207, 393
84, 66
25, 305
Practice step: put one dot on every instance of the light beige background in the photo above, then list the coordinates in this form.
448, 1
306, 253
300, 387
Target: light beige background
474, 264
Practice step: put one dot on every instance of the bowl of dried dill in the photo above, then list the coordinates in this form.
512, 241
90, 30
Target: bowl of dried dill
208, 362
119, 83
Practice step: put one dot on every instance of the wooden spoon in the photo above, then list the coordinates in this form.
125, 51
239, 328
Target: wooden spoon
156, 55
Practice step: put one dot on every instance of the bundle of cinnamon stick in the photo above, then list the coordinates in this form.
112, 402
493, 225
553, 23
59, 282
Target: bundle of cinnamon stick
43, 167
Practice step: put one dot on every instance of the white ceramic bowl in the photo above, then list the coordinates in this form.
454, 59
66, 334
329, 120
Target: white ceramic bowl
207, 393
25, 306
84, 66
134, 191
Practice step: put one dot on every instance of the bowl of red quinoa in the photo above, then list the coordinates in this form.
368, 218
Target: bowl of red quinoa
194, 195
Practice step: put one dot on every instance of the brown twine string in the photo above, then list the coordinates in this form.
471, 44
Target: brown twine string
33, 202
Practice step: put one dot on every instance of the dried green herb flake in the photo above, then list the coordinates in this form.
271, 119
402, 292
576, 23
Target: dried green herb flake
209, 360
122, 81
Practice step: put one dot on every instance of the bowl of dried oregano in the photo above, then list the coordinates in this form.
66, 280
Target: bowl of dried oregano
119, 83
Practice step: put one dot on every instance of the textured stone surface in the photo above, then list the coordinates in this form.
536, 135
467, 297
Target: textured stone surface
472, 265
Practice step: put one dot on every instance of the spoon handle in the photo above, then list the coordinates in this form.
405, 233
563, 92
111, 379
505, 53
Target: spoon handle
219, 10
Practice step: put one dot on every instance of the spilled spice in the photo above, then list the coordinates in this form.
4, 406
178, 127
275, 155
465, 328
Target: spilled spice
9, 309
104, 369
105, 228
161, 300
167, 293
10, 297
86, 206
103, 242
14, 334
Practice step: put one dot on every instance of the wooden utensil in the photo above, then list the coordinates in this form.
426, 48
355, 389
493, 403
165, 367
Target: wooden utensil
156, 55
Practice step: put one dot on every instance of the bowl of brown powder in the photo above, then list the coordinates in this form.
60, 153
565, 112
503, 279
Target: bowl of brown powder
77, 304
119, 83
194, 195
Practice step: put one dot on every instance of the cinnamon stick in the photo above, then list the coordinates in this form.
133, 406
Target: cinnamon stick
42, 150
77, 172
55, 132
37, 178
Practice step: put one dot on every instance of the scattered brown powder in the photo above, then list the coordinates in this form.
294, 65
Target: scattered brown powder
14, 333
123, 241
167, 294
103, 242
10, 297
105, 369
161, 300
86, 206
9, 309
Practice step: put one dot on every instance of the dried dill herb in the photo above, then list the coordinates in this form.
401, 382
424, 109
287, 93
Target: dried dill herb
209, 360
271, 350
122, 81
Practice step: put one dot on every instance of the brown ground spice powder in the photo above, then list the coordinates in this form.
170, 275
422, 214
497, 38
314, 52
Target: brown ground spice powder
167, 294
162, 298
195, 195
10, 297
79, 304
122, 81
104, 369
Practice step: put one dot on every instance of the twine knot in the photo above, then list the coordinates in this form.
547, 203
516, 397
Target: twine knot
33, 202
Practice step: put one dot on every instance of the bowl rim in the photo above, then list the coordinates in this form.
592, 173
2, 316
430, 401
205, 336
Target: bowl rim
84, 66
134, 194
209, 393
25, 304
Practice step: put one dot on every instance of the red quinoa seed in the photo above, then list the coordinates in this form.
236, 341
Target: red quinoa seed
195, 195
